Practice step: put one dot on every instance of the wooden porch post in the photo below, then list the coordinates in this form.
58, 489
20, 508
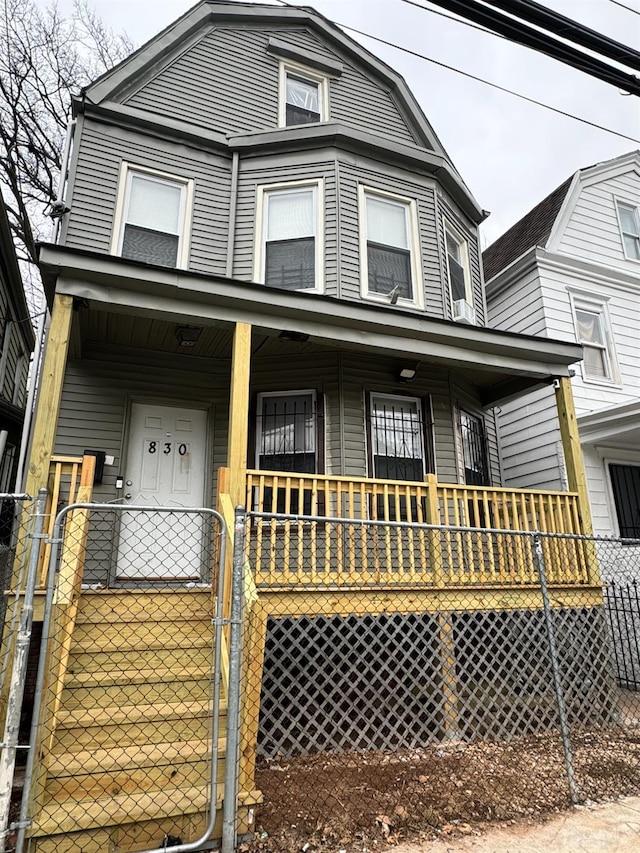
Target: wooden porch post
576, 477
51, 380
239, 413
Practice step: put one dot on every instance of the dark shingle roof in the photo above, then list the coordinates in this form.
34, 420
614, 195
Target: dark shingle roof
532, 230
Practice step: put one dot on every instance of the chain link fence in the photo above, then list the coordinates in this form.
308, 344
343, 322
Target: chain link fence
385, 704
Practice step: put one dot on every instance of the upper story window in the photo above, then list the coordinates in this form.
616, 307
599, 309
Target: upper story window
288, 236
593, 332
629, 218
152, 217
459, 272
625, 484
388, 248
303, 96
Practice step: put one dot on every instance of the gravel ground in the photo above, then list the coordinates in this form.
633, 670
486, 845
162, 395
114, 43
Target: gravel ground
359, 802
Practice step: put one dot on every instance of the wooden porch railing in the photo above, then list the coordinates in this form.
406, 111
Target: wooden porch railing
316, 553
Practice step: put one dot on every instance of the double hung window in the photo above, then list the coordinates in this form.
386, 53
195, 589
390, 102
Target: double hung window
303, 96
288, 253
152, 218
593, 332
388, 255
629, 219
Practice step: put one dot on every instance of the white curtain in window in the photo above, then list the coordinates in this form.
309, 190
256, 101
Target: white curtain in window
290, 214
628, 221
387, 223
589, 328
154, 204
396, 428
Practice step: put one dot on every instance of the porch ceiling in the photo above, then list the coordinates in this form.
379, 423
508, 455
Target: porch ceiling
501, 364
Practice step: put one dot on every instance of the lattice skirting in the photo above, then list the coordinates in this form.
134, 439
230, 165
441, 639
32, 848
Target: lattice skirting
392, 681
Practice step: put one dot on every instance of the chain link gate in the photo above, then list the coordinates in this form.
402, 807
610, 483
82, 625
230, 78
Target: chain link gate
130, 716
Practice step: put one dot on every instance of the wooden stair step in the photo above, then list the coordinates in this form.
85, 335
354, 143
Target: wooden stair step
118, 637
199, 654
128, 757
118, 714
159, 675
55, 818
131, 605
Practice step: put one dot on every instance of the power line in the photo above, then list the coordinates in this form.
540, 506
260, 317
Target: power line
488, 83
473, 76
628, 8
455, 19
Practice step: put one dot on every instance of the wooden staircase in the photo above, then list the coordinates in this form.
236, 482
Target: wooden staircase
127, 754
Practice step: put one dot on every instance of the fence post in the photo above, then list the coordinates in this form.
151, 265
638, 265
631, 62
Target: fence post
229, 809
18, 674
555, 667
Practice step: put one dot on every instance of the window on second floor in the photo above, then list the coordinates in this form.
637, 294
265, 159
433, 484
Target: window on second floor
593, 332
459, 273
152, 218
303, 96
625, 484
629, 218
388, 248
288, 250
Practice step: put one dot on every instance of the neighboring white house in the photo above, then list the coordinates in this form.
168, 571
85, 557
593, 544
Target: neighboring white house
570, 269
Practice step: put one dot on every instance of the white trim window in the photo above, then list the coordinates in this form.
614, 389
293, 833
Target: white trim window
286, 431
153, 217
289, 246
303, 96
458, 267
593, 331
389, 266
629, 220
397, 437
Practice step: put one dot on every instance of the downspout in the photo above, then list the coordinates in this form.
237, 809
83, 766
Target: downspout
58, 204
34, 377
233, 205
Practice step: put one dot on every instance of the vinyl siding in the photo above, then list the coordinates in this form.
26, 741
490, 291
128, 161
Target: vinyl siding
101, 151
263, 172
228, 82
353, 173
449, 214
520, 307
592, 231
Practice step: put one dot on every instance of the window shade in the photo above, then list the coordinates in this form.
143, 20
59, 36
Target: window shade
387, 223
154, 204
290, 214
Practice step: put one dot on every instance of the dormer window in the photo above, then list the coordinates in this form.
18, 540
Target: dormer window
388, 256
629, 218
152, 217
303, 96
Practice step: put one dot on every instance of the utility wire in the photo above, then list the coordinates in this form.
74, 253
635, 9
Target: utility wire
456, 20
473, 76
488, 83
628, 8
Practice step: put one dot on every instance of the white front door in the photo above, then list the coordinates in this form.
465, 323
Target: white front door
165, 467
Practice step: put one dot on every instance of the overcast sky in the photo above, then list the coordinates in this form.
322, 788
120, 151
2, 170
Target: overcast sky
510, 153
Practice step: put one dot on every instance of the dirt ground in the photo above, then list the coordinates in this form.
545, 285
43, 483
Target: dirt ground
360, 802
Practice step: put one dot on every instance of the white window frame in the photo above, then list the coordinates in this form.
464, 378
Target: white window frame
593, 305
260, 247
411, 213
186, 185
634, 209
280, 394
462, 241
297, 70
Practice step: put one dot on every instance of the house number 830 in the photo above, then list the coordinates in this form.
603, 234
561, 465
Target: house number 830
166, 448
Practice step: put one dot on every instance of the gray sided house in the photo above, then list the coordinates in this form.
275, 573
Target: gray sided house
570, 269
268, 293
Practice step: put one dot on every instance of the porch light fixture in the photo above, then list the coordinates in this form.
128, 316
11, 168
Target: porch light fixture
407, 373
188, 335
297, 337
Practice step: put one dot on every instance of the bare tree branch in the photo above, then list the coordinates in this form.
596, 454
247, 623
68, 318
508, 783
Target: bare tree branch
45, 57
